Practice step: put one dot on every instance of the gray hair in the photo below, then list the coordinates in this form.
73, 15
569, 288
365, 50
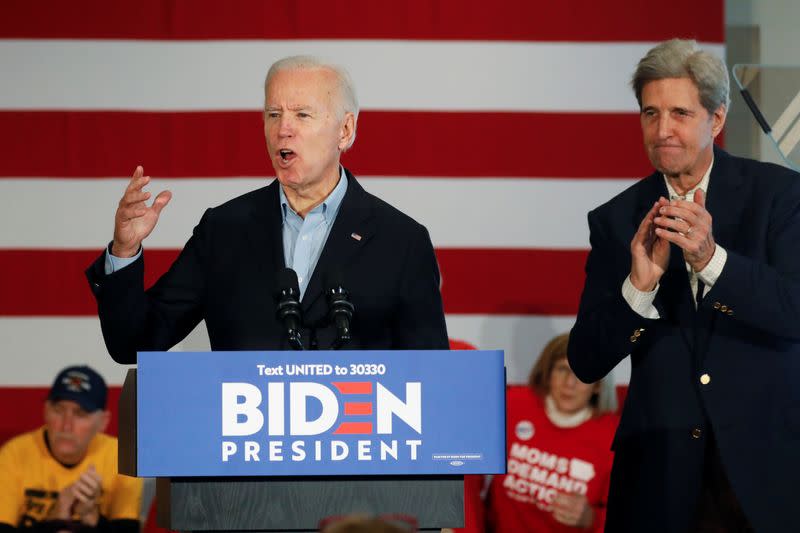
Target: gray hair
683, 58
347, 91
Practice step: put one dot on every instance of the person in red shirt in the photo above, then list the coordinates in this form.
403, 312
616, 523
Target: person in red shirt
559, 433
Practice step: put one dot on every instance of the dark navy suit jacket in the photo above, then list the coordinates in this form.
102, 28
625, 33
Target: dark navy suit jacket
745, 336
227, 276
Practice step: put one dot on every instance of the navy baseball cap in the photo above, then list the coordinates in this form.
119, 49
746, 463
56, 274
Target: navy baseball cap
81, 385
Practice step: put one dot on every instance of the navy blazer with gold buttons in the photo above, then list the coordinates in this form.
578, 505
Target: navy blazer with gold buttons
731, 365
227, 275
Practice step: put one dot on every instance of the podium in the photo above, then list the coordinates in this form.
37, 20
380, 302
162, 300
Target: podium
278, 441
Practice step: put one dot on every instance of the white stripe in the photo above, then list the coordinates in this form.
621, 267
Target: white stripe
36, 348
388, 74
486, 213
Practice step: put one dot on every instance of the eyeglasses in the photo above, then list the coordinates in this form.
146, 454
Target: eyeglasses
402, 523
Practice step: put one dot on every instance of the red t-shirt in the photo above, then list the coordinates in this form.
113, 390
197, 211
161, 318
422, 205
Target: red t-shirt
543, 459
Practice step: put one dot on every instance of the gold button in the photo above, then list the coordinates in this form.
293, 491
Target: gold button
636, 333
729, 311
633, 339
717, 305
696, 432
705, 379
724, 308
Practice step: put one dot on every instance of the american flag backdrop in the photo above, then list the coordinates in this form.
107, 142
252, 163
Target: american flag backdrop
497, 125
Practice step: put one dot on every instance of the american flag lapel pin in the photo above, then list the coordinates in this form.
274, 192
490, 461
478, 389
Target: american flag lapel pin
356, 236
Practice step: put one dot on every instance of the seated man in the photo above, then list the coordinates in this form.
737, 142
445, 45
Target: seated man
63, 476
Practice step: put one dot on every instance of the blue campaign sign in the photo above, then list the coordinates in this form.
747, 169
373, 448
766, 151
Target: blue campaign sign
320, 413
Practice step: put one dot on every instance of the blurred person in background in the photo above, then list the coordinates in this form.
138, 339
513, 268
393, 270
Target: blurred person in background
356, 523
63, 476
559, 434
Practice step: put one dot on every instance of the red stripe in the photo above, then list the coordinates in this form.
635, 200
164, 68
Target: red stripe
516, 20
477, 281
354, 387
218, 144
52, 282
354, 428
511, 281
357, 408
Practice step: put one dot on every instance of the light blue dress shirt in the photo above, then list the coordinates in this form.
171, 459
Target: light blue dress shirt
303, 238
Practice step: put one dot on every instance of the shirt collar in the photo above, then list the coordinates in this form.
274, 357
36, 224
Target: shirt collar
329, 206
703, 185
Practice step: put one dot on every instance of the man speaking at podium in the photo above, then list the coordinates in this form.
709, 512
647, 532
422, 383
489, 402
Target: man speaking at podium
366, 275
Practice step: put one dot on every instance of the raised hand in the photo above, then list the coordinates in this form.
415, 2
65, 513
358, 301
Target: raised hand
134, 219
688, 225
649, 251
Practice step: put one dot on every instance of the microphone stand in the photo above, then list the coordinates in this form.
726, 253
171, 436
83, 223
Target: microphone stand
341, 312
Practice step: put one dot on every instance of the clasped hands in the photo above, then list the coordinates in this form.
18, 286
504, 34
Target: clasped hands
81, 498
683, 223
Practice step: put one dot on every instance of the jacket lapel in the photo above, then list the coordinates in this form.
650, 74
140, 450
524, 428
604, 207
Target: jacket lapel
350, 232
725, 200
265, 232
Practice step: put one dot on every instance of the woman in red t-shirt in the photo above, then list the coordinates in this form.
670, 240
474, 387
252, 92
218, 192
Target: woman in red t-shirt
559, 434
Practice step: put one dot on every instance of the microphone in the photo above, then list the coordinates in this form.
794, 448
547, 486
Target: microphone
340, 308
289, 312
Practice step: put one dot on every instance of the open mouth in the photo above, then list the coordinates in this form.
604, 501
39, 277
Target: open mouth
286, 155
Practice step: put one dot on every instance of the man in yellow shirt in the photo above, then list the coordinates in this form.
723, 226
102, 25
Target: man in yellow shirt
63, 476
